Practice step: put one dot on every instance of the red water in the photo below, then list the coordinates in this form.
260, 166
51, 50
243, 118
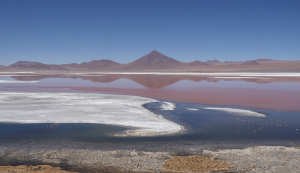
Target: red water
269, 93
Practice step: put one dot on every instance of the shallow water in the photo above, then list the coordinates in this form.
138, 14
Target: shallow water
200, 124
261, 92
278, 99
211, 124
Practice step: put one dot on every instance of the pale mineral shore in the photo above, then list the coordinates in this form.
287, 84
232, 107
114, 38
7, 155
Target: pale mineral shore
239, 74
238, 112
120, 110
16, 82
210, 74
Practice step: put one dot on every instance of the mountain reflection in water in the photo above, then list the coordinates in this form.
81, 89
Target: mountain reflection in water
280, 93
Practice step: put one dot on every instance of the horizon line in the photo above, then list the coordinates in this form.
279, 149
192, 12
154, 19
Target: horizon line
178, 59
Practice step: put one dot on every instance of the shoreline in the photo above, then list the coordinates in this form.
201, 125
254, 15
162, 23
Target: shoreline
208, 74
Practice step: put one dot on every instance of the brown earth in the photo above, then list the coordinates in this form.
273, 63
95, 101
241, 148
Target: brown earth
31, 169
193, 164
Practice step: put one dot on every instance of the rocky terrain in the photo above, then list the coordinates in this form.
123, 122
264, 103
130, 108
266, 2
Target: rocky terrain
262, 159
32, 169
89, 160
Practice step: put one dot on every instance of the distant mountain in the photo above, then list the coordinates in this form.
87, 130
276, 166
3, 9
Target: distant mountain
158, 62
258, 61
28, 64
251, 62
32, 65
154, 60
197, 63
213, 62
264, 59
94, 65
100, 63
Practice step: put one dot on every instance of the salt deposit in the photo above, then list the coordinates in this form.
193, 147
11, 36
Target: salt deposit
119, 110
168, 106
17, 81
238, 112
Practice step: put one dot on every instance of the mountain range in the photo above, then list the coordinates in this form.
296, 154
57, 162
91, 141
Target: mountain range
158, 62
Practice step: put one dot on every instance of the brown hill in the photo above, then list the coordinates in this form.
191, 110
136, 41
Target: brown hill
250, 62
96, 65
154, 60
197, 63
32, 65
158, 62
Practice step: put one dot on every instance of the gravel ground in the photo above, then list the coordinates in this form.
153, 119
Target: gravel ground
260, 159
31, 169
81, 159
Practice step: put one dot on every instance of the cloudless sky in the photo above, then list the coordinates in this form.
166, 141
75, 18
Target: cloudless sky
64, 31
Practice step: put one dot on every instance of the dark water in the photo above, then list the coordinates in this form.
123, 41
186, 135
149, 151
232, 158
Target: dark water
47, 131
201, 125
218, 125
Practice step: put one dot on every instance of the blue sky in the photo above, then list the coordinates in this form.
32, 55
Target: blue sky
63, 31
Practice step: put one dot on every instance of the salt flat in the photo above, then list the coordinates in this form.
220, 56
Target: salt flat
209, 74
17, 81
119, 110
168, 106
212, 74
238, 112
